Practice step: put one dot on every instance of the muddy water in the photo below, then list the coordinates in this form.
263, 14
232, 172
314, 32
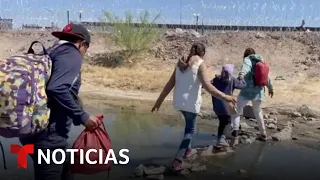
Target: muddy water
154, 139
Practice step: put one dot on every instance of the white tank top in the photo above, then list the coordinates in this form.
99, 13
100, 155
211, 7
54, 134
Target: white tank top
187, 91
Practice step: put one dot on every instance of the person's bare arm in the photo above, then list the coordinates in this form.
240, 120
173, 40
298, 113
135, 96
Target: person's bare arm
270, 88
167, 89
206, 83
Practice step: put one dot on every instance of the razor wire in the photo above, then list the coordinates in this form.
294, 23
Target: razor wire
203, 15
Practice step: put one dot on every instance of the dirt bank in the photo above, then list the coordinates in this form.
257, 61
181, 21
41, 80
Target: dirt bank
292, 55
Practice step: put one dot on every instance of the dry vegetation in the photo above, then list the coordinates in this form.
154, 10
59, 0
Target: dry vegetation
295, 56
124, 78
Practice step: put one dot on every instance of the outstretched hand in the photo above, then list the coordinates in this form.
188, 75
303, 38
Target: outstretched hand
156, 107
271, 93
231, 99
241, 77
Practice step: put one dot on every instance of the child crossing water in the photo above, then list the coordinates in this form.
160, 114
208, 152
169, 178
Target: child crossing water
225, 82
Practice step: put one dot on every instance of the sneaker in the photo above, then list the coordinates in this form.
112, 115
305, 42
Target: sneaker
218, 148
262, 138
179, 165
222, 142
234, 141
190, 152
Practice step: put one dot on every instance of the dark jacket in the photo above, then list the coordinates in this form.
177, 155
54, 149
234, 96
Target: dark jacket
62, 97
226, 87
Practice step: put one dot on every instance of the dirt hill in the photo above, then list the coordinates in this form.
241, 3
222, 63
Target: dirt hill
287, 53
292, 55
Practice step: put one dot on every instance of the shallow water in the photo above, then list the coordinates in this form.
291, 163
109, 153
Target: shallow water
152, 139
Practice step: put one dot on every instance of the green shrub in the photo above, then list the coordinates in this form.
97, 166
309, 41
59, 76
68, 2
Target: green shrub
136, 38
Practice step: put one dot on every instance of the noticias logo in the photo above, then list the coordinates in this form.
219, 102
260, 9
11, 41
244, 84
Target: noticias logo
85, 156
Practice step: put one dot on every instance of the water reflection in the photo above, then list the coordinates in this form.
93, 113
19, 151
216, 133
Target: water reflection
147, 136
138, 130
154, 139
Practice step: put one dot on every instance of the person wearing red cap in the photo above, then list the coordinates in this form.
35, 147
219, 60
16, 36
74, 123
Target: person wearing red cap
62, 91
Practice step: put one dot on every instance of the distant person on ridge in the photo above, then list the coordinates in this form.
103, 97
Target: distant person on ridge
302, 25
189, 75
62, 91
225, 82
255, 72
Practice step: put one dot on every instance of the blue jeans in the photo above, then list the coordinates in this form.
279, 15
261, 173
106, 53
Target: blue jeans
190, 119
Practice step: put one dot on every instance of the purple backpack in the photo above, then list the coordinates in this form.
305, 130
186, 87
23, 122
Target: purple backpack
23, 99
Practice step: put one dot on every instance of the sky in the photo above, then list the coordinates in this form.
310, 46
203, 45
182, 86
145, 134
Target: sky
214, 12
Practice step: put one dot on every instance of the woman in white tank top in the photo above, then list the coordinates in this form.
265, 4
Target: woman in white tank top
189, 76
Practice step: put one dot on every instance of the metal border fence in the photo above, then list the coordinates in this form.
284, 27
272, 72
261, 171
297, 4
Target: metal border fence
104, 26
6, 23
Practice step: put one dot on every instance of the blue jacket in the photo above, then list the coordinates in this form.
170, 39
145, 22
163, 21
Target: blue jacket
62, 98
227, 88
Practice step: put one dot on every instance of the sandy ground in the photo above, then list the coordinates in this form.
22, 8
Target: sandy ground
293, 55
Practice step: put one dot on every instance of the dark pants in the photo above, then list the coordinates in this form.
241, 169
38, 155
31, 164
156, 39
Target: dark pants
49, 171
224, 120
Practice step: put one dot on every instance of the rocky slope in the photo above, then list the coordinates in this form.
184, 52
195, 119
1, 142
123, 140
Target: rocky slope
287, 52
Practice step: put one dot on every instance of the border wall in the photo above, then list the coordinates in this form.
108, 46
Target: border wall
102, 26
